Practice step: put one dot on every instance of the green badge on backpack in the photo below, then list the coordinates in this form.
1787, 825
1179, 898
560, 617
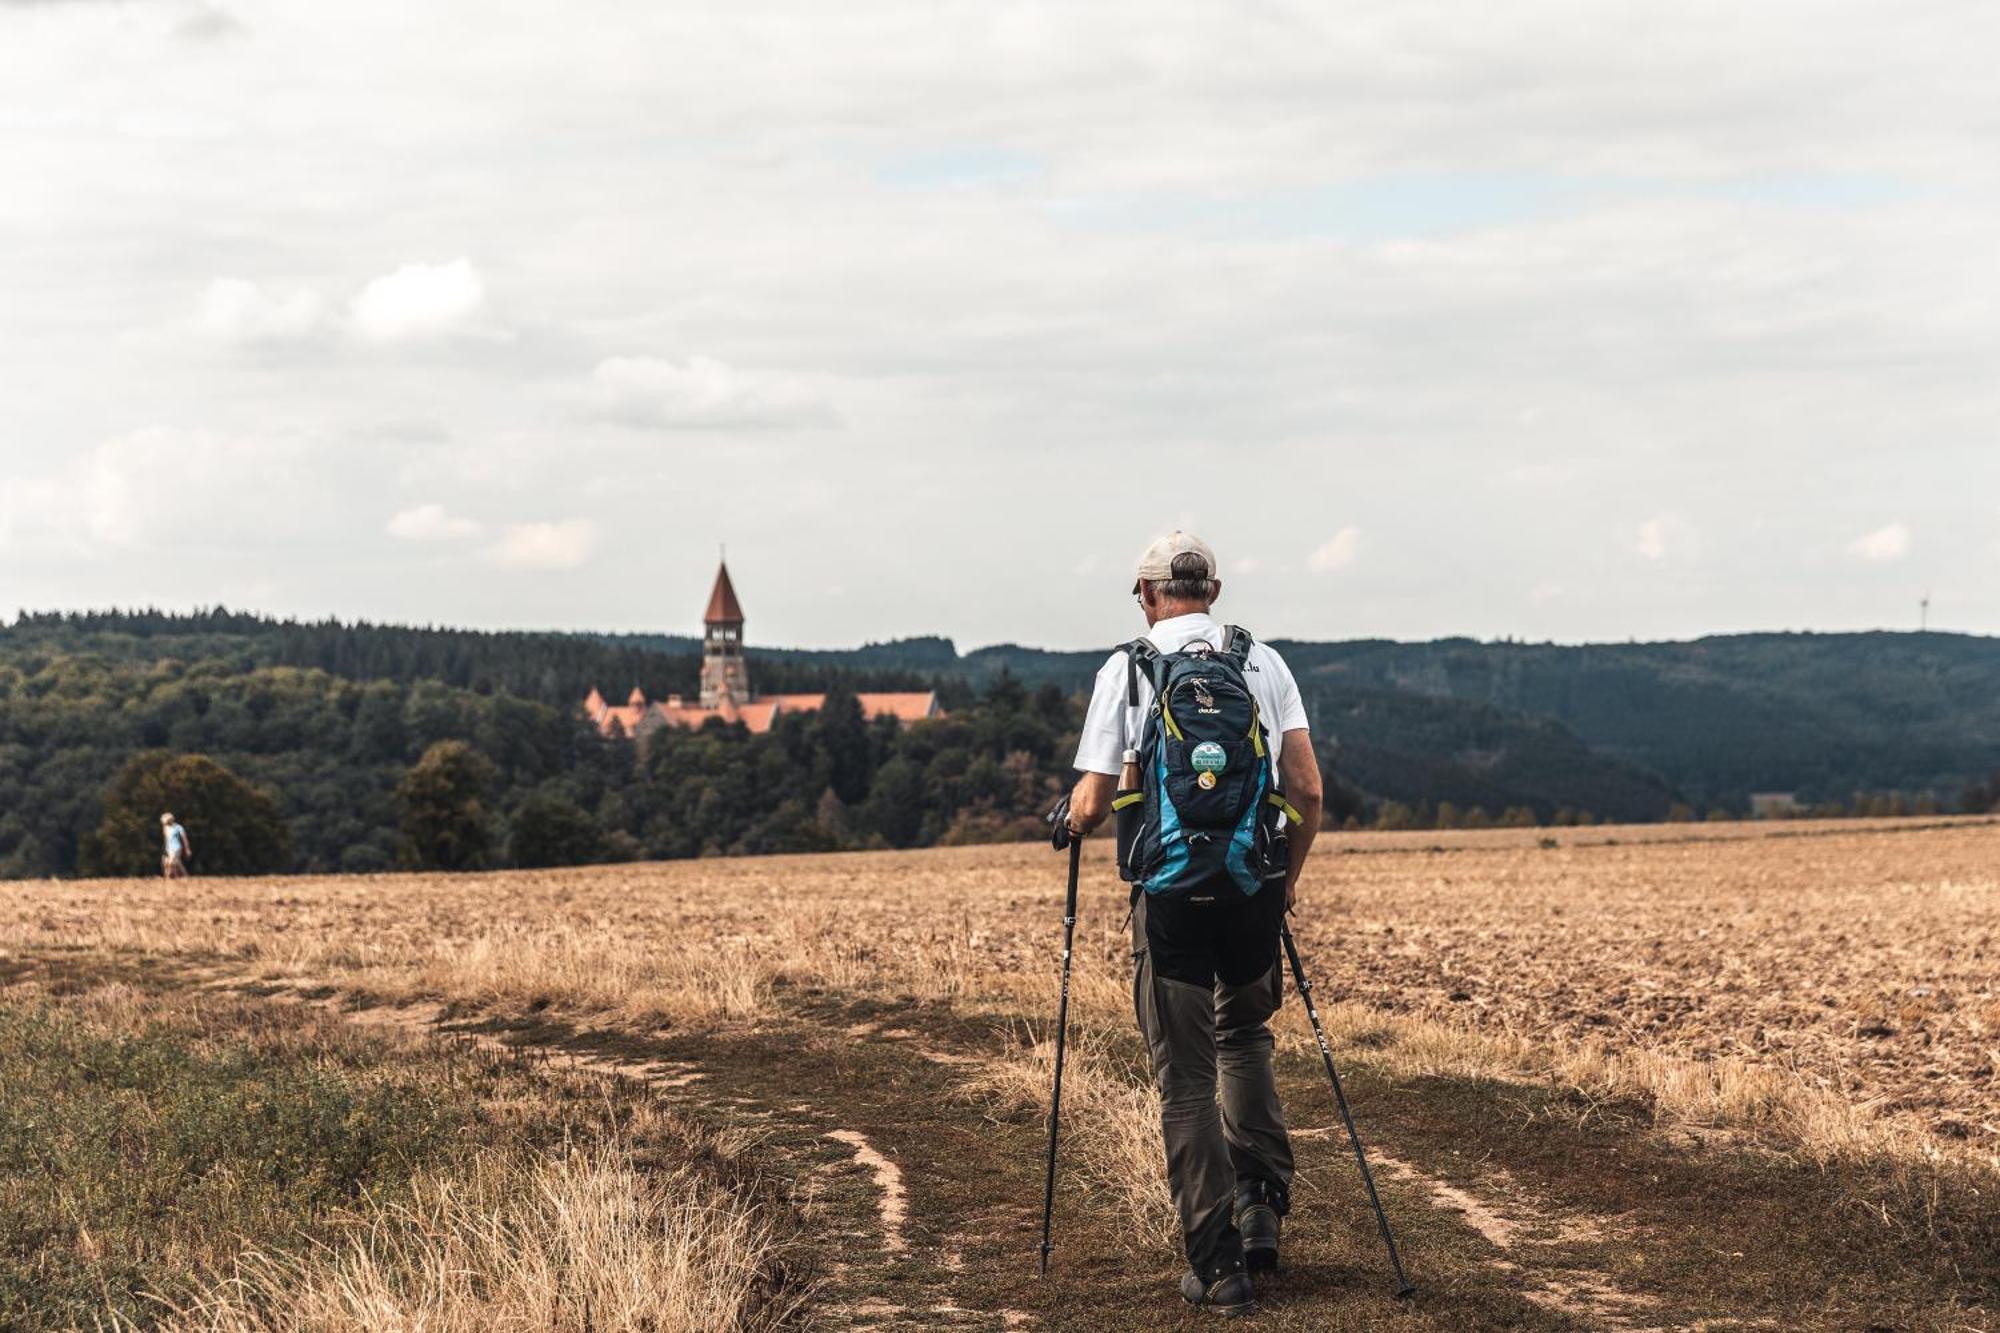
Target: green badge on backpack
1209, 757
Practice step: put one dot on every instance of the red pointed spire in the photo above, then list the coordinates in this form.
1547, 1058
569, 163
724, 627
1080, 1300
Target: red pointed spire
723, 608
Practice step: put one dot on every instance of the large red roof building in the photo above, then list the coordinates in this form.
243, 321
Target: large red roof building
725, 686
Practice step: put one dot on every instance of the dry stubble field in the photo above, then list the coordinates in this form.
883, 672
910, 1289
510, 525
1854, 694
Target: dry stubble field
1713, 1076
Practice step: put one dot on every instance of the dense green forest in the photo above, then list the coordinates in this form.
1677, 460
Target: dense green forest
1620, 728
340, 726
1824, 715
381, 746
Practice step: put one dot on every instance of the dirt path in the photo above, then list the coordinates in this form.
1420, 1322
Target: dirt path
872, 1124
1512, 1211
960, 1274
852, 1191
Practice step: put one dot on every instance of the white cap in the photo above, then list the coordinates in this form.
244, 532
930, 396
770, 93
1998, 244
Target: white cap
1156, 564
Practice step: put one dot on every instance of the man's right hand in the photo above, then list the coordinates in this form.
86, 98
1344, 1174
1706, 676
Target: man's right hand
1060, 833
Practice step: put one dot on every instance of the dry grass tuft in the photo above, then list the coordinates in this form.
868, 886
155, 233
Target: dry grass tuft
594, 971
1110, 1137
197, 1156
584, 1243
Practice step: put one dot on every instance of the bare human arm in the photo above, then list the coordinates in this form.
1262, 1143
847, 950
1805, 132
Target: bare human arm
1090, 801
1298, 769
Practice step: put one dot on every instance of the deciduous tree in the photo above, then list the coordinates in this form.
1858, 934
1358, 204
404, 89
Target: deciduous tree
234, 828
445, 821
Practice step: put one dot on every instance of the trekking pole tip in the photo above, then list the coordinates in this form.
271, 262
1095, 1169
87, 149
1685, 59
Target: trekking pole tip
1407, 1290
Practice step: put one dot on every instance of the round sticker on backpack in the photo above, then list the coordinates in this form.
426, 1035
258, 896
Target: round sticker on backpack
1209, 757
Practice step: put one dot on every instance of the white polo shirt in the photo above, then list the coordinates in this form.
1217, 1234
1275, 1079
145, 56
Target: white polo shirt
1111, 727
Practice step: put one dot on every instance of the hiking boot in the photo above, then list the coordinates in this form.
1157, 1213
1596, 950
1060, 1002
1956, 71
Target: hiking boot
1259, 1225
1259, 1206
1231, 1295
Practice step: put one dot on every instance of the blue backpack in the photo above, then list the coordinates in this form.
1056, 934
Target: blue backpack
1207, 806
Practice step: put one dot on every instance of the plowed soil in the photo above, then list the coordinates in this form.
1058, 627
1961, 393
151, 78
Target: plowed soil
857, 1013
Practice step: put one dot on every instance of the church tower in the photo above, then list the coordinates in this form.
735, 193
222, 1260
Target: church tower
723, 672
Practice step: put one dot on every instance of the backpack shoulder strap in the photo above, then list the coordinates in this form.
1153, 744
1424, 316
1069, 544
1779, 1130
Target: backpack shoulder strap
1237, 641
1138, 652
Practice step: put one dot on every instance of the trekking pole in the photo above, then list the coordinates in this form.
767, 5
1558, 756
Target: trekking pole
1404, 1287
1062, 1034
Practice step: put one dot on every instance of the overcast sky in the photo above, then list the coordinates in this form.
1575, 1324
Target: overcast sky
1556, 320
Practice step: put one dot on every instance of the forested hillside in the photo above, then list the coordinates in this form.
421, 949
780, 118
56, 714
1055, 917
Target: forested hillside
1711, 720
332, 723
1825, 715
341, 726
1380, 744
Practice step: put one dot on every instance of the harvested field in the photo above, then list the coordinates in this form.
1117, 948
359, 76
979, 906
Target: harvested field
1866, 966
1582, 1053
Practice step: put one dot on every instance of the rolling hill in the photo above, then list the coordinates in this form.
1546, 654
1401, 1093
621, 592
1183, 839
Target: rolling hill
328, 717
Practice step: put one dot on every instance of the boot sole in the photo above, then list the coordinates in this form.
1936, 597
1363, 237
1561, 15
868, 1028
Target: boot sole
1226, 1311
1261, 1260
1234, 1310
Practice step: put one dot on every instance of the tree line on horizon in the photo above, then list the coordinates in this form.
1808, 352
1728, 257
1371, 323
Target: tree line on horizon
339, 775
361, 749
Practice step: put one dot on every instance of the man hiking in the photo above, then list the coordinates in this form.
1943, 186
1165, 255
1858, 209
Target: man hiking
1215, 846
174, 856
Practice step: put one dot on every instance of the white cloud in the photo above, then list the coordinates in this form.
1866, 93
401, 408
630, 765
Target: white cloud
1337, 552
1665, 537
1721, 267
1542, 474
161, 487
431, 523
566, 544
238, 311
168, 126
653, 392
1883, 545
207, 23
122, 493
419, 301
101, 500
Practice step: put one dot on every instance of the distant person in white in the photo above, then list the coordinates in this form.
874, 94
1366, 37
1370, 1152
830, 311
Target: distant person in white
174, 857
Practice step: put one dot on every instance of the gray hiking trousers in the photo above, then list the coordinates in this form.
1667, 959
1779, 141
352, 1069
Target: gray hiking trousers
1205, 1038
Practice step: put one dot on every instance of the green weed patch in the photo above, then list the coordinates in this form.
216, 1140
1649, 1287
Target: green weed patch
132, 1160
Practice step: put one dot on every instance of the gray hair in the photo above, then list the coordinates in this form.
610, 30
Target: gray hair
1191, 581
